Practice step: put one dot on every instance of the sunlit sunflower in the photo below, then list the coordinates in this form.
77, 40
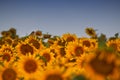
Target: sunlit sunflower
24, 48
35, 42
7, 48
102, 65
88, 44
47, 56
52, 74
6, 56
68, 37
9, 72
74, 49
29, 67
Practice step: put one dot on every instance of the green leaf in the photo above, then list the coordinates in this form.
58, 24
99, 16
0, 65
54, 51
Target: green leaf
79, 77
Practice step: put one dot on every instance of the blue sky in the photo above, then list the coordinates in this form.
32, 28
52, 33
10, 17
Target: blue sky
60, 16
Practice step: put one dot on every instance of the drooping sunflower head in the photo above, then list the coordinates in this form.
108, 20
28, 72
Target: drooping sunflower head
91, 32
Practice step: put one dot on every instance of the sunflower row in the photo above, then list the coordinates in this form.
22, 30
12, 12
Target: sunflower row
39, 56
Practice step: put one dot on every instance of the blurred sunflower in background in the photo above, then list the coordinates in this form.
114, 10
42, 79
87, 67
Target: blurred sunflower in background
102, 65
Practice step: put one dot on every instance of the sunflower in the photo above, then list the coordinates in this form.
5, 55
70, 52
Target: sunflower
29, 67
74, 49
7, 48
102, 65
69, 37
47, 56
7, 56
114, 44
9, 72
24, 48
91, 32
88, 43
37, 44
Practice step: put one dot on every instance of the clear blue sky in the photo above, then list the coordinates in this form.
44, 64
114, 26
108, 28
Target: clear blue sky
60, 16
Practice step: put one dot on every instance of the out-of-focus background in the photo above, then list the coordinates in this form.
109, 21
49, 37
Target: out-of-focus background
60, 16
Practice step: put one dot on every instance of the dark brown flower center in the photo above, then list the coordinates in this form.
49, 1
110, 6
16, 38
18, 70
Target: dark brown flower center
78, 51
9, 74
62, 52
47, 56
86, 43
25, 48
54, 77
30, 66
90, 32
6, 56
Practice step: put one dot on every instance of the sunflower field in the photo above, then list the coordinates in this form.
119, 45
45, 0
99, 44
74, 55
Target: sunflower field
39, 56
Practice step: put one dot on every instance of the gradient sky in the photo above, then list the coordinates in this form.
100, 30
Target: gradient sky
60, 16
